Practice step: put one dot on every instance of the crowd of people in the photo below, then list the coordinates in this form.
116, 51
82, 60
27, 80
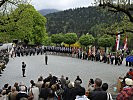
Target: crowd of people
4, 56
54, 88
126, 89
4, 59
102, 57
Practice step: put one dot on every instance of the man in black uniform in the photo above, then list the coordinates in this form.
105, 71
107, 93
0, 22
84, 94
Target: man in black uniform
23, 69
46, 59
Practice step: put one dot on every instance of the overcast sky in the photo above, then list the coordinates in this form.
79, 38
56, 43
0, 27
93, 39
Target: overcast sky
60, 4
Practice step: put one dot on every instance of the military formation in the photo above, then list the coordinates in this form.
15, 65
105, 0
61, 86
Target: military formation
94, 55
36, 50
4, 59
20, 51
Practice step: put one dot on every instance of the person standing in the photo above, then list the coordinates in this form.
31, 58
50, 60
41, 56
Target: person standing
112, 58
33, 91
105, 88
127, 92
23, 69
22, 95
78, 79
12, 95
46, 59
97, 93
116, 60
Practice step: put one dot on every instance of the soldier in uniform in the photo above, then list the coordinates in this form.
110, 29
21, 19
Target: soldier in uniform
38, 51
26, 51
116, 60
23, 69
33, 51
30, 50
46, 59
22, 51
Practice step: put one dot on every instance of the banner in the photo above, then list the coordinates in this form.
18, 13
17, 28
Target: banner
125, 43
117, 41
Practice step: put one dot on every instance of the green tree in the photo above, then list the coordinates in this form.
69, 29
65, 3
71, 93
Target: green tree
86, 40
57, 38
25, 23
4, 38
47, 41
6, 3
21, 26
126, 29
125, 25
79, 20
99, 29
106, 41
125, 6
70, 38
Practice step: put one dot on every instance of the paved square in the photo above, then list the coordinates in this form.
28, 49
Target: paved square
58, 66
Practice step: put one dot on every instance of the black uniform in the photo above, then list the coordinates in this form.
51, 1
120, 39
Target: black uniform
46, 59
23, 69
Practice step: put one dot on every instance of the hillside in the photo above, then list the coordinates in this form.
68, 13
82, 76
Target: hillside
79, 20
47, 11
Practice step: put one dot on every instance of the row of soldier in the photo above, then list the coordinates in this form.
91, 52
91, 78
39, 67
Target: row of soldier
21, 51
74, 52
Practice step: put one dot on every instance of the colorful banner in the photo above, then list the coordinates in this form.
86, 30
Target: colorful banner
117, 41
125, 43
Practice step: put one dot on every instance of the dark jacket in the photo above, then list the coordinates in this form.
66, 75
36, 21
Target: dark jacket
44, 93
78, 90
21, 95
98, 94
67, 95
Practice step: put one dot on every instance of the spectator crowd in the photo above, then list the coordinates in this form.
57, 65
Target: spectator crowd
54, 88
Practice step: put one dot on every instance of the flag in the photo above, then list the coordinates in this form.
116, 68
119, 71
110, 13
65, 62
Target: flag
117, 41
125, 43
89, 51
94, 51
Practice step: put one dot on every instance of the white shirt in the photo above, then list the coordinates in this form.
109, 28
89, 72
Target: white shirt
35, 91
81, 98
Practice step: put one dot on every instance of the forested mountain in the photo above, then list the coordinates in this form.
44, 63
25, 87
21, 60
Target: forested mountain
79, 20
47, 11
